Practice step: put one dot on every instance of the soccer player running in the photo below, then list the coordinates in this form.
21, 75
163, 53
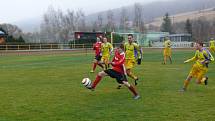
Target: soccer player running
98, 55
106, 49
130, 60
212, 45
167, 52
118, 72
202, 59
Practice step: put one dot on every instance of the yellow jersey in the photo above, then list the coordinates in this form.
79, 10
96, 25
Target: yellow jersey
130, 50
106, 49
167, 44
202, 56
212, 43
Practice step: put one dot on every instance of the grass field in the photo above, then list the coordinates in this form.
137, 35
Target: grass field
48, 88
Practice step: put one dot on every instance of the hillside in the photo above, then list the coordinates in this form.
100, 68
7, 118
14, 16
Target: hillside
151, 12
158, 9
208, 14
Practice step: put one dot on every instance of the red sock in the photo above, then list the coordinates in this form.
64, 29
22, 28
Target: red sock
131, 88
94, 66
96, 81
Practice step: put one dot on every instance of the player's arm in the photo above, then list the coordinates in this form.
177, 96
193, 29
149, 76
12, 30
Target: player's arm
164, 43
120, 61
208, 57
102, 50
137, 47
192, 59
169, 44
111, 48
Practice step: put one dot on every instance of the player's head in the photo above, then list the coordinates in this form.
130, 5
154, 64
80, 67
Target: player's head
130, 38
98, 39
212, 38
104, 39
199, 45
121, 47
166, 38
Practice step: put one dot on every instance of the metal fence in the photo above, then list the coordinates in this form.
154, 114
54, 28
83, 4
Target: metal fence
40, 47
29, 47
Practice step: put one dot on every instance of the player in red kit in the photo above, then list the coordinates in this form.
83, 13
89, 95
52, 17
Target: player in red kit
118, 72
98, 55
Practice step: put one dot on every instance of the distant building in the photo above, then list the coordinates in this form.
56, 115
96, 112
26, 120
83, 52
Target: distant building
179, 37
156, 39
87, 37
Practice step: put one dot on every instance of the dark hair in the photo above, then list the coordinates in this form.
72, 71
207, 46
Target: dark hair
200, 43
131, 35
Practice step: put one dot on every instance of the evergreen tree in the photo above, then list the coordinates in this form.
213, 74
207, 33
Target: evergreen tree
188, 27
167, 24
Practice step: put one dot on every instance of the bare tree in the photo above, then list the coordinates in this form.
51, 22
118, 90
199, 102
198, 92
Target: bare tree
80, 21
100, 22
138, 17
110, 21
59, 27
123, 20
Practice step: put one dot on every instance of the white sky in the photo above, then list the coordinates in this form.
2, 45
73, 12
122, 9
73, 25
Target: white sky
18, 10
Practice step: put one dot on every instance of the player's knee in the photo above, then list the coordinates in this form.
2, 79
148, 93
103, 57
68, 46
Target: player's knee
189, 78
126, 83
102, 73
128, 71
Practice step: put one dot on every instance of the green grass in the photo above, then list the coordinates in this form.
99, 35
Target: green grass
48, 88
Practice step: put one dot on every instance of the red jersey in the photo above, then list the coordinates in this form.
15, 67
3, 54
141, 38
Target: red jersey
97, 48
119, 59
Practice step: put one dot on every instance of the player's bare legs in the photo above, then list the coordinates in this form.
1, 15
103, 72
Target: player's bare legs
132, 89
203, 80
95, 63
164, 60
130, 74
99, 77
170, 59
103, 74
186, 83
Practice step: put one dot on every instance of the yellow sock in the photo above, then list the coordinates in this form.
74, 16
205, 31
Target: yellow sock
186, 83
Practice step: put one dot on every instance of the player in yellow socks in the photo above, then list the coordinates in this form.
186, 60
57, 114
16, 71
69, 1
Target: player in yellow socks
212, 45
130, 60
167, 53
106, 49
202, 59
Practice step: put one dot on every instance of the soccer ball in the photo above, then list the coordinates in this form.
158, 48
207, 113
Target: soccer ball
86, 82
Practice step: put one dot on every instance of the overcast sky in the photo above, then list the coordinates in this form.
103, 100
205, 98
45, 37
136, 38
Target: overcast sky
18, 10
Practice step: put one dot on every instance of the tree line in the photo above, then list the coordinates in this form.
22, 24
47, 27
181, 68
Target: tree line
58, 26
201, 29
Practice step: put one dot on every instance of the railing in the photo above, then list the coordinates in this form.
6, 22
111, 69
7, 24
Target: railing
38, 47
28, 47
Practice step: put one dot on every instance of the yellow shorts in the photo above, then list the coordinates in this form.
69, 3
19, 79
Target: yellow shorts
212, 48
105, 59
198, 71
167, 52
129, 63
